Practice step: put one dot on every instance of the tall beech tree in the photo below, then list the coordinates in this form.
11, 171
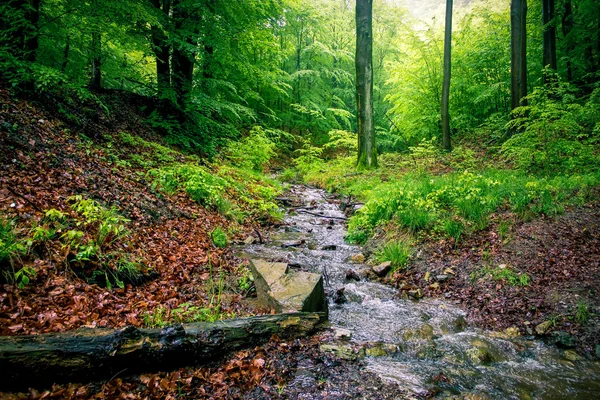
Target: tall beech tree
447, 73
367, 152
518, 52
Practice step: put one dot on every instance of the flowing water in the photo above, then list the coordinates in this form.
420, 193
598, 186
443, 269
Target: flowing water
426, 345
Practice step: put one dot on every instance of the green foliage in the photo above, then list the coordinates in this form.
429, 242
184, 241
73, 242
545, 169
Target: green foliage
557, 132
508, 275
397, 252
199, 183
11, 247
245, 281
454, 204
582, 313
252, 152
156, 318
219, 237
24, 276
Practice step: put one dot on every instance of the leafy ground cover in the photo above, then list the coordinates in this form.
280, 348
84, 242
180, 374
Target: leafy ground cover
102, 225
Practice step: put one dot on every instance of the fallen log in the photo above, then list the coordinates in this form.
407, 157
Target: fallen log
93, 354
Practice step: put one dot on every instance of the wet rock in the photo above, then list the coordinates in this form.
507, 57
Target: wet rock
342, 334
375, 352
285, 290
542, 328
562, 339
352, 275
292, 229
329, 247
339, 297
441, 278
345, 352
358, 258
425, 332
383, 268
249, 240
572, 355
312, 246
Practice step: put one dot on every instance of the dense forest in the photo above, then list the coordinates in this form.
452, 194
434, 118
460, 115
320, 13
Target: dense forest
149, 147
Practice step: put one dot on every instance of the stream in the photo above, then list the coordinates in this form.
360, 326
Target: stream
426, 345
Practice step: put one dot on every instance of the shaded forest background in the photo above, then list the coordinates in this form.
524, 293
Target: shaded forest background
218, 68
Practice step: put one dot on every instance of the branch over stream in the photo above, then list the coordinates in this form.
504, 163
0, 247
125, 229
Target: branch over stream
88, 354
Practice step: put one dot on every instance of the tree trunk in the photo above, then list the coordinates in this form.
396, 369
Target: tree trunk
549, 44
183, 59
518, 52
96, 80
162, 49
66, 51
95, 354
447, 73
567, 27
33, 40
367, 152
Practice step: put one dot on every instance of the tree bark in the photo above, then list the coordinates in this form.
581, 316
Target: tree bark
183, 58
162, 49
518, 52
367, 151
96, 79
447, 74
95, 354
567, 27
549, 43
33, 40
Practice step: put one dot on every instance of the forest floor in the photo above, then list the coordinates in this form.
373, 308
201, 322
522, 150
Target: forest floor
561, 257
51, 151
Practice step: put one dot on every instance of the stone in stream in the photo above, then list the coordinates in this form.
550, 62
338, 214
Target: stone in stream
562, 339
358, 258
542, 328
287, 291
339, 297
383, 268
352, 275
572, 355
342, 334
329, 247
345, 352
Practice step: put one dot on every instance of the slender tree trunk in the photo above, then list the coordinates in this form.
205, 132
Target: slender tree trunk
447, 73
33, 39
162, 49
518, 50
183, 59
567, 27
367, 151
63, 67
96, 80
549, 43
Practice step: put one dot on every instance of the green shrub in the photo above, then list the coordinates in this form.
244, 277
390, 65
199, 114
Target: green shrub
11, 247
397, 252
557, 132
252, 152
219, 237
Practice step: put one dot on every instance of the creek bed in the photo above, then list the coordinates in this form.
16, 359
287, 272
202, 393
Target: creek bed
426, 346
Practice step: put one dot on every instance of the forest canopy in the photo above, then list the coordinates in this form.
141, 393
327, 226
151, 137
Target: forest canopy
218, 68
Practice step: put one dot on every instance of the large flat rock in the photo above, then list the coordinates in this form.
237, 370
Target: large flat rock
287, 291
